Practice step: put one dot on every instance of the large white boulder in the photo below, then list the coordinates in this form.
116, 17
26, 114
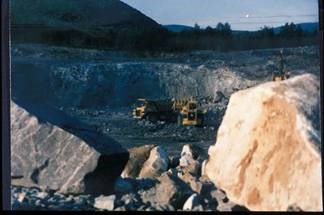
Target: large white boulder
267, 155
49, 150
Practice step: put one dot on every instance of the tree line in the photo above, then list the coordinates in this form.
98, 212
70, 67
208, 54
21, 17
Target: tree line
221, 38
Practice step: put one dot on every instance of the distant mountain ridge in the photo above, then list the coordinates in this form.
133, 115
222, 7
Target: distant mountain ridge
307, 26
177, 28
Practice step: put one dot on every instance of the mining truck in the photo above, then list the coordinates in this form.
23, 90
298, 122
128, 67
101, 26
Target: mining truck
183, 111
155, 110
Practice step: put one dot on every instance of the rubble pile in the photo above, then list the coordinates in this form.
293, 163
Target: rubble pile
148, 183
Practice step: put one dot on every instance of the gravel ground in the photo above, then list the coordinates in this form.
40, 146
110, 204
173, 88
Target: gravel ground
23, 198
130, 132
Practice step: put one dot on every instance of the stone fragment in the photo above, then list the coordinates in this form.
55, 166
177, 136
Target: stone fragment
156, 164
105, 202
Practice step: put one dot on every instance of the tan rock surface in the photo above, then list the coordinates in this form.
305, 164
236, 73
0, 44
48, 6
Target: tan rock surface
267, 153
137, 158
156, 164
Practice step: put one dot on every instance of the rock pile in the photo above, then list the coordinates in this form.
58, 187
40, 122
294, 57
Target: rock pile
163, 188
167, 185
267, 155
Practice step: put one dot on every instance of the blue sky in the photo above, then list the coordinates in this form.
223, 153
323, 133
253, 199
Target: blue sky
241, 14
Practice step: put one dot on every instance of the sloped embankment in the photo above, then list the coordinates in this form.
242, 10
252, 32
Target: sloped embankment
267, 153
118, 84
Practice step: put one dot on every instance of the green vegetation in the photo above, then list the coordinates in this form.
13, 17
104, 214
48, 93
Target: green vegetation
158, 39
222, 38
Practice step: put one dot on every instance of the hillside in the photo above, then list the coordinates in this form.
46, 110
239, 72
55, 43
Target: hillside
76, 13
74, 22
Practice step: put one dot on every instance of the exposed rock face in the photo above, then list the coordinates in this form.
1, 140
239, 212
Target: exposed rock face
156, 164
73, 160
267, 153
137, 158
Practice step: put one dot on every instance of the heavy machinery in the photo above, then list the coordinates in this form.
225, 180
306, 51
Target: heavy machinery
188, 112
183, 111
282, 73
154, 110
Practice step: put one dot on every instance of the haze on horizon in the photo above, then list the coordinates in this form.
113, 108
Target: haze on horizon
240, 14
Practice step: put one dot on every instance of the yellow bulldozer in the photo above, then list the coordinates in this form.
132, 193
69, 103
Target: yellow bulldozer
184, 111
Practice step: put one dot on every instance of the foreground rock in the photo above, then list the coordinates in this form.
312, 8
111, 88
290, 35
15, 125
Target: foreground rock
193, 203
267, 153
188, 162
105, 202
170, 190
156, 164
137, 158
54, 152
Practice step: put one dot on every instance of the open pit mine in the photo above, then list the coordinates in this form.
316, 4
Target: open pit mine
77, 145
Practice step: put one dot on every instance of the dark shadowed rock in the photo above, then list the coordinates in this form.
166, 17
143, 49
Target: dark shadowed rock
173, 161
170, 190
239, 208
145, 183
124, 185
294, 207
52, 151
